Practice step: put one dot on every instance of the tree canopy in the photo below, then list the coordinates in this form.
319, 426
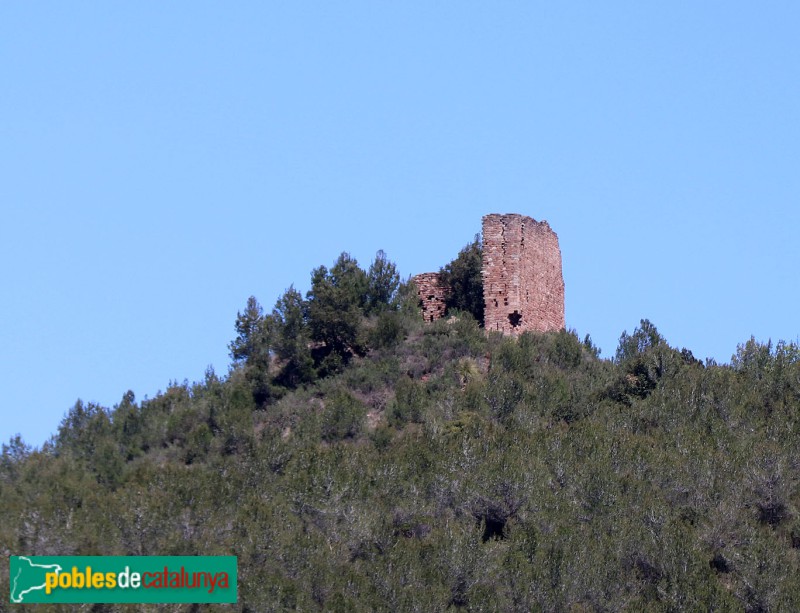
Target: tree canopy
464, 277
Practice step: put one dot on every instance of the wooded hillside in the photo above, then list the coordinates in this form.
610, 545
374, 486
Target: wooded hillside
356, 459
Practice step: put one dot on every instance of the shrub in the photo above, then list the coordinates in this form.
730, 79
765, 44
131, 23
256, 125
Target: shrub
343, 417
409, 402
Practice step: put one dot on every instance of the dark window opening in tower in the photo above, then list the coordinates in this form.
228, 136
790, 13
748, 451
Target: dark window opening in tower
514, 319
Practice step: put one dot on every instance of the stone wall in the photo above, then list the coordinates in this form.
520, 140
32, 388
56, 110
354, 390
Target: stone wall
523, 287
432, 295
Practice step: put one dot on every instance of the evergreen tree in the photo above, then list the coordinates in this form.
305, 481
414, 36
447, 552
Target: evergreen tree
336, 305
383, 282
464, 277
251, 349
252, 341
292, 339
643, 338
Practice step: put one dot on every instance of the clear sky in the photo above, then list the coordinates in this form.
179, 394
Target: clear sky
162, 161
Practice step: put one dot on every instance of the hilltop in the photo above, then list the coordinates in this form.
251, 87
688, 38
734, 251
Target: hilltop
356, 458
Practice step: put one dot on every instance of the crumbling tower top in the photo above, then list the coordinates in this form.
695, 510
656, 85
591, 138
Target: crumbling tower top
523, 286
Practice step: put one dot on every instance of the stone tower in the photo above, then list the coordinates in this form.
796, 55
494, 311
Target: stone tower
523, 288
432, 295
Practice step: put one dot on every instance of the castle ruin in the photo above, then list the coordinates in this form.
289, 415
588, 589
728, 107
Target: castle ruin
523, 286
432, 295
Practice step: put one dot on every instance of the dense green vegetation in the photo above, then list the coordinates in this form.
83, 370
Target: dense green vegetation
355, 459
464, 275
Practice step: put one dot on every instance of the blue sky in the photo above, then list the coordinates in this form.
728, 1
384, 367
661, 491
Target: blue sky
160, 162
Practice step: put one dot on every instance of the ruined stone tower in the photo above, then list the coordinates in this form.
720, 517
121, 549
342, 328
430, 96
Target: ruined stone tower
523, 288
432, 295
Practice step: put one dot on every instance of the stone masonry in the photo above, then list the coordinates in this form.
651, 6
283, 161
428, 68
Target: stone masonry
432, 295
523, 287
